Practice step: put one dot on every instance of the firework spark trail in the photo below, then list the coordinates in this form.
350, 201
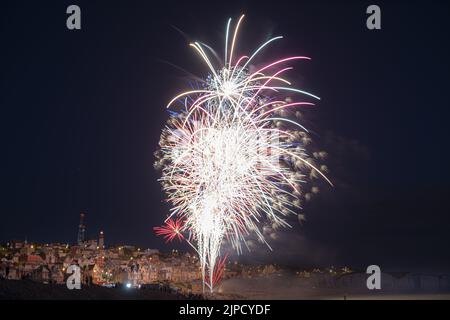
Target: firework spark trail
230, 159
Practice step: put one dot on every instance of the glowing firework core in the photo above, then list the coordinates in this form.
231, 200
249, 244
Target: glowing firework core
231, 160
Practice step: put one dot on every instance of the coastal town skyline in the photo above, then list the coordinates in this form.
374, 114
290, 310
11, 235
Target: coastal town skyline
178, 275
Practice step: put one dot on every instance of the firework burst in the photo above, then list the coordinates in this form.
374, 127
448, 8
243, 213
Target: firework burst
232, 158
171, 230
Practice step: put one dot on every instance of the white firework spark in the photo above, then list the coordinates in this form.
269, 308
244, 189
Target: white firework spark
230, 158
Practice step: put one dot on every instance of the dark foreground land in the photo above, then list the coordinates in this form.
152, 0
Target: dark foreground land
285, 287
29, 290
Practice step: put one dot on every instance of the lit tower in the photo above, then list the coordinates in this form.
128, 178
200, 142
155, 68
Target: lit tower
81, 230
101, 240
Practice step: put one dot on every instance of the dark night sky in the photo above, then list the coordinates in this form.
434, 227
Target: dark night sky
82, 111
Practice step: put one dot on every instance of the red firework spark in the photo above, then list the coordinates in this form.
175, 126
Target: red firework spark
219, 270
170, 230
